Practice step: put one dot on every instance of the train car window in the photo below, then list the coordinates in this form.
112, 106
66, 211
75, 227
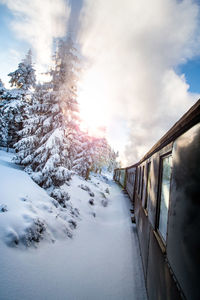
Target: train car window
142, 183
148, 187
122, 177
166, 167
138, 187
130, 177
133, 178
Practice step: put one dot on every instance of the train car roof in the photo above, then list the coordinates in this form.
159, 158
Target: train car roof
189, 119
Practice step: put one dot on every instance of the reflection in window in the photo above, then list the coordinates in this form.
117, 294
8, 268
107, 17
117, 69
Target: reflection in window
122, 177
164, 196
138, 187
148, 185
142, 182
132, 177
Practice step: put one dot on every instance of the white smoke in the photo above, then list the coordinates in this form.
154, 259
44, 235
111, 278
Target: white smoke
134, 47
39, 22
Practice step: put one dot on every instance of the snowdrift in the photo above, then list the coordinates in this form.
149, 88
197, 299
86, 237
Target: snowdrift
28, 215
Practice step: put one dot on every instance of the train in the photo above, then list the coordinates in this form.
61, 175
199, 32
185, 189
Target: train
164, 188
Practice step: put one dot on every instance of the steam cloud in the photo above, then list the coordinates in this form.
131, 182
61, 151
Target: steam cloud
39, 22
133, 48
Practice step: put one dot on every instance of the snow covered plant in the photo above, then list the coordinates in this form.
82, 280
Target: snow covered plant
2, 89
49, 139
24, 77
14, 103
12, 113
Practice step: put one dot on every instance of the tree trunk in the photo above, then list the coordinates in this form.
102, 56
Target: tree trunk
87, 174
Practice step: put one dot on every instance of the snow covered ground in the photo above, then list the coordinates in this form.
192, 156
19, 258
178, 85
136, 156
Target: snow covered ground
43, 255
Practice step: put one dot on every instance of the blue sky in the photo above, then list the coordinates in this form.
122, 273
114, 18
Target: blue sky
12, 49
191, 69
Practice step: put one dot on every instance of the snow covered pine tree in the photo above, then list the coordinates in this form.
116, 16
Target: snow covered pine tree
93, 155
85, 155
2, 89
13, 108
24, 77
49, 138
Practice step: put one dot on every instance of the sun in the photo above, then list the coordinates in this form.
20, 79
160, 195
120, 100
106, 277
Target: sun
93, 104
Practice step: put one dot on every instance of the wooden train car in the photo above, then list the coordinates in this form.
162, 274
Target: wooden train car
165, 189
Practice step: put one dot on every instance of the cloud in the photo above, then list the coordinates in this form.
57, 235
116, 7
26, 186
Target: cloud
39, 22
133, 48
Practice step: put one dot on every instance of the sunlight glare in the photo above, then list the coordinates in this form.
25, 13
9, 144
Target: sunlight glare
93, 103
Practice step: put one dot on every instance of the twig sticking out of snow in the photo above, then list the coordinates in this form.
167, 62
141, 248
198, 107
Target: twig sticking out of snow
3, 208
91, 201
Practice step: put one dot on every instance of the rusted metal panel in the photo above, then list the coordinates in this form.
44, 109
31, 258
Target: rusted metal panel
160, 283
183, 238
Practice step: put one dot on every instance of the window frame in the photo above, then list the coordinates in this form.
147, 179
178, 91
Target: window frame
162, 157
142, 183
147, 193
138, 177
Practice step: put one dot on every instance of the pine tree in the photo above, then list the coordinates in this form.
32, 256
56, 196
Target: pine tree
112, 162
43, 144
85, 155
50, 137
24, 77
14, 107
12, 114
2, 90
65, 77
94, 154
13, 110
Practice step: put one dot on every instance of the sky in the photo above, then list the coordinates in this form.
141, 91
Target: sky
141, 60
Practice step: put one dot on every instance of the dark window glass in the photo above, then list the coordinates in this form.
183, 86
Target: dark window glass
164, 195
142, 184
148, 187
138, 187
133, 177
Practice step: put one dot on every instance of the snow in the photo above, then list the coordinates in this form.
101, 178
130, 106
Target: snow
101, 260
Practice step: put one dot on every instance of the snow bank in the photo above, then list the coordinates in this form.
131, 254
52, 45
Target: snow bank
29, 215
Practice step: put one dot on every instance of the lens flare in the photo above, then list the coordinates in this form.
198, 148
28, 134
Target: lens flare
93, 103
